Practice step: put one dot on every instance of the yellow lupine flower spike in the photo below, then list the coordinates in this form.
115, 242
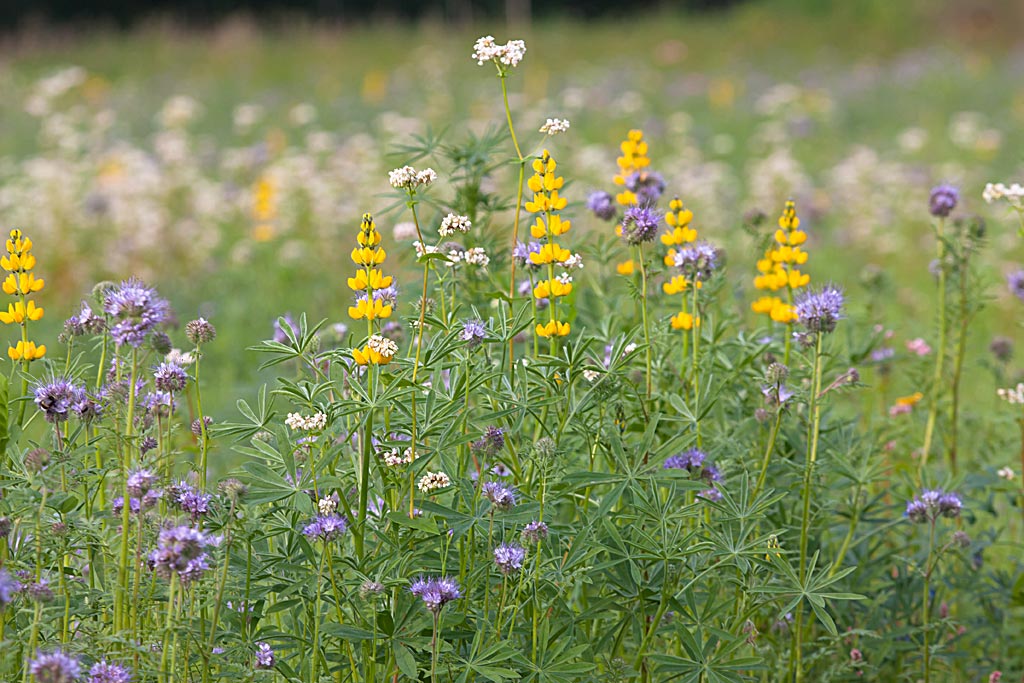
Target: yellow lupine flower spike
778, 268
26, 351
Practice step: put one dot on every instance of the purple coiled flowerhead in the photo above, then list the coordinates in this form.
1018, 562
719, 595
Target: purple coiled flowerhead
104, 672
712, 494
491, 443
1015, 283
436, 592
943, 200
697, 261
189, 499
135, 310
508, 557
818, 310
158, 403
84, 322
602, 205
521, 254
55, 667
647, 185
639, 225
140, 481
473, 333
501, 496
57, 398
687, 460
170, 377
181, 550
932, 504
9, 587
264, 656
534, 532
325, 528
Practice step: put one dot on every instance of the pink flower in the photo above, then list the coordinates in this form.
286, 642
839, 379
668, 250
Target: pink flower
995, 677
919, 346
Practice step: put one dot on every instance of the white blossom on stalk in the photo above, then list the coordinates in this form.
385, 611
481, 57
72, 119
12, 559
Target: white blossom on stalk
433, 481
453, 223
555, 126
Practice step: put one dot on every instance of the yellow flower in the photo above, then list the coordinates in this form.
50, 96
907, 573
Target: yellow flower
550, 253
625, 268
370, 311
26, 351
634, 158
19, 312
365, 256
683, 321
22, 283
373, 278
679, 284
777, 269
911, 400
553, 328
546, 289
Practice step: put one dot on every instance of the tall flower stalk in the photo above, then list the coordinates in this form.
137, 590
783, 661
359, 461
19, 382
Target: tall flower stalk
21, 283
547, 203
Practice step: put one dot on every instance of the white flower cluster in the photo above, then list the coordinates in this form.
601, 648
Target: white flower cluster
555, 126
565, 278
327, 506
1006, 473
574, 261
313, 423
409, 177
1013, 395
1014, 194
179, 357
474, 257
382, 345
591, 375
422, 249
509, 54
393, 458
433, 481
453, 223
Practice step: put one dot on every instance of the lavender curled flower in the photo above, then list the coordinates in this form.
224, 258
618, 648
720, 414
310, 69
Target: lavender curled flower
55, 667
84, 322
158, 403
57, 398
534, 532
509, 557
147, 444
501, 496
689, 460
103, 672
712, 494
170, 377
491, 443
136, 310
264, 656
819, 310
200, 331
181, 550
639, 225
473, 333
436, 592
602, 205
325, 528
943, 200
9, 587
88, 409
1015, 283
39, 591
647, 185
932, 504
521, 254
140, 481
698, 261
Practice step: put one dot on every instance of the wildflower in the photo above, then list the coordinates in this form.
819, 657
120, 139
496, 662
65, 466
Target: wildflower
39, 591
918, 347
555, 126
147, 444
777, 269
140, 481
819, 310
200, 331
57, 398
509, 558
136, 311
378, 351
688, 460
1015, 283
476, 256
678, 220
1012, 395
602, 204
647, 186
181, 550
264, 656
325, 528
264, 207
190, 499
409, 178
197, 426
639, 225
233, 489
1014, 194
1002, 348
8, 588
473, 333
453, 223
942, 200
55, 667
314, 423
368, 588
83, 322
546, 203
433, 481
932, 504
697, 262
436, 592
509, 54
534, 532
905, 404
633, 160
20, 282
712, 494
170, 377
1006, 473
501, 496
103, 672
328, 505
491, 443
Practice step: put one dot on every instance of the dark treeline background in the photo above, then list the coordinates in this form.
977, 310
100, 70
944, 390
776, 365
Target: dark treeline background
127, 13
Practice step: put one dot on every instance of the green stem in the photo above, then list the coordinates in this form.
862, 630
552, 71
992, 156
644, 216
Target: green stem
643, 308
515, 221
940, 355
126, 453
767, 454
926, 601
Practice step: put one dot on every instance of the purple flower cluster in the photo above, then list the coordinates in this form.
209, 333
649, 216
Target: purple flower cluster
136, 310
818, 310
1015, 283
473, 333
932, 504
697, 261
170, 377
491, 443
158, 403
508, 557
602, 205
501, 496
55, 667
436, 592
647, 185
640, 224
688, 460
943, 200
264, 656
103, 672
84, 322
325, 528
181, 550
58, 398
190, 499
141, 481
9, 587
534, 532
521, 254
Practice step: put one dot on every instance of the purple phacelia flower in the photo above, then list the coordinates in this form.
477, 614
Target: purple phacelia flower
473, 333
647, 185
688, 460
84, 322
55, 667
57, 398
818, 310
140, 481
640, 224
436, 592
943, 200
1015, 283
170, 377
602, 204
932, 504
104, 672
9, 587
491, 443
697, 261
136, 310
501, 496
181, 550
509, 557
325, 528
534, 532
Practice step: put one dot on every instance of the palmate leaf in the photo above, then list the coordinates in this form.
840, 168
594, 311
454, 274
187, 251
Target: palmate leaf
487, 663
558, 663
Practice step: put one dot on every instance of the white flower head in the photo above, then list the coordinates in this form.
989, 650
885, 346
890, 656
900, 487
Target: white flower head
477, 257
574, 261
403, 177
327, 505
313, 423
1006, 473
426, 176
509, 54
383, 346
1014, 194
555, 126
453, 223
433, 481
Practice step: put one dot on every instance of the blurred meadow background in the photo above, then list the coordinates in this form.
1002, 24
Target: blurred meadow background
227, 164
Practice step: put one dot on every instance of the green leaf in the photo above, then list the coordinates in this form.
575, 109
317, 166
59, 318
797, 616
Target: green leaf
405, 661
